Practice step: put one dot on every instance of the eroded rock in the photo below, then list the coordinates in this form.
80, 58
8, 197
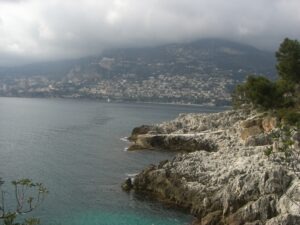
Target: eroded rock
174, 142
144, 129
232, 181
269, 123
127, 185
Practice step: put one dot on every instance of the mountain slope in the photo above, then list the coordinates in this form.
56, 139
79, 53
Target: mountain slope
201, 56
200, 72
204, 56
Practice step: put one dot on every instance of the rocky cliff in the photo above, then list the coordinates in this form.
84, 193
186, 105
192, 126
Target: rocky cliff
223, 175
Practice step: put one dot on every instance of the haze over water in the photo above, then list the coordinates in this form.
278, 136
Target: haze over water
74, 148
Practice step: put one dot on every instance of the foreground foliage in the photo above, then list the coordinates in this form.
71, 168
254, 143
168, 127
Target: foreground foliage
28, 196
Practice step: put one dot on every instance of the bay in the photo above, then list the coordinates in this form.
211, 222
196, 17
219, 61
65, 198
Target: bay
74, 148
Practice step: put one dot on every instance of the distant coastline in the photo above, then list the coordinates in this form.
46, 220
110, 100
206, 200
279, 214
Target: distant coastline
228, 106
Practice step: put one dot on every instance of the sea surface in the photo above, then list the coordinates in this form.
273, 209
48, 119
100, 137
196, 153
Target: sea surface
74, 148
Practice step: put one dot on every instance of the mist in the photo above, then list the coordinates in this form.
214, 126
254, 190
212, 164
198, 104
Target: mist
34, 30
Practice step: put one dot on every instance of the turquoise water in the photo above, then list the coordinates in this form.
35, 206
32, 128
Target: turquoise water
74, 148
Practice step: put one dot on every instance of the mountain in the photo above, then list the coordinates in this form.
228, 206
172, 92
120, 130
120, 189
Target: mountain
204, 56
53, 69
186, 58
203, 71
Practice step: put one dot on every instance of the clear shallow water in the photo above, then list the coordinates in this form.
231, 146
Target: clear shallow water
74, 148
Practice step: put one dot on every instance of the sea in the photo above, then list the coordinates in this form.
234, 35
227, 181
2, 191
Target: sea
77, 149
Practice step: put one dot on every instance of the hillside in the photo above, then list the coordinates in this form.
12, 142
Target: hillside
197, 57
172, 73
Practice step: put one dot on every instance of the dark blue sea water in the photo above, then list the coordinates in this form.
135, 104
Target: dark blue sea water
74, 148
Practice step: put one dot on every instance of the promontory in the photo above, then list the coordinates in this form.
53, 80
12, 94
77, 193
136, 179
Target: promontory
224, 172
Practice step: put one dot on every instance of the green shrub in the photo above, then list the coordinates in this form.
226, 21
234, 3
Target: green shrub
289, 116
288, 60
259, 92
281, 96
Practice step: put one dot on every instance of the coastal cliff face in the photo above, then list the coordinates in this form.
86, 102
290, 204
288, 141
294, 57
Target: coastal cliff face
223, 176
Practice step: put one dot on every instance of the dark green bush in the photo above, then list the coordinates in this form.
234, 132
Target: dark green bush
281, 96
289, 116
259, 92
288, 60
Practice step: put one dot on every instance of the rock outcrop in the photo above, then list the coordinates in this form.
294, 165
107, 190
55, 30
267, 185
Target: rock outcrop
173, 142
144, 129
230, 180
189, 132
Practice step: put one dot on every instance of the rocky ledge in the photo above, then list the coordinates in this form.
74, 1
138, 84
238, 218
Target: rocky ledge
223, 176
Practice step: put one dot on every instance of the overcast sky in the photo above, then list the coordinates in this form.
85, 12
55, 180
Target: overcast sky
33, 30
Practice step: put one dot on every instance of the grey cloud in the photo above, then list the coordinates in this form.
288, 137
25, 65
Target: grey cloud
62, 29
11, 1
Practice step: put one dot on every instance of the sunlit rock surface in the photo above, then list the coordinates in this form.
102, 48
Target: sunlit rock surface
222, 175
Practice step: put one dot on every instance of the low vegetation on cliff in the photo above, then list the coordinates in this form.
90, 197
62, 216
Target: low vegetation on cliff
282, 96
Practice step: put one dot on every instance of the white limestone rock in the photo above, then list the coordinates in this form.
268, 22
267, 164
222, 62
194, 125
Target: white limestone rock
235, 183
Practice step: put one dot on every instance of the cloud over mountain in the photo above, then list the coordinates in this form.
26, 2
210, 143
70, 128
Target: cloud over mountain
32, 30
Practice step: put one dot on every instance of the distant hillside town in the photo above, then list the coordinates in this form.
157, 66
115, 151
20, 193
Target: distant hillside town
202, 72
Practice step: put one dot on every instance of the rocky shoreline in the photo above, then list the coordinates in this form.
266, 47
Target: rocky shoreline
221, 173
